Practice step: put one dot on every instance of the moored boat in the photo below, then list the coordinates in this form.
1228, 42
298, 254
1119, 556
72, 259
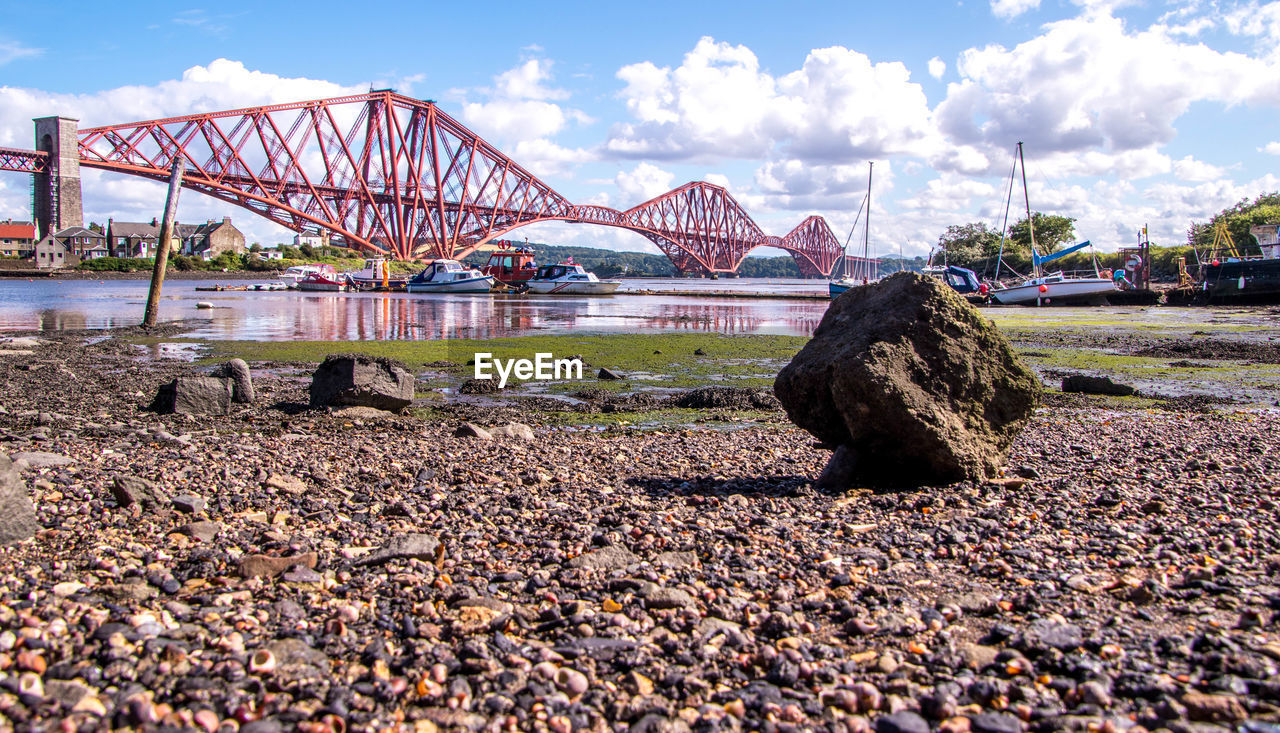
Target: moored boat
511, 267
1056, 288
376, 275
326, 279
449, 276
1231, 276
294, 275
1052, 288
567, 278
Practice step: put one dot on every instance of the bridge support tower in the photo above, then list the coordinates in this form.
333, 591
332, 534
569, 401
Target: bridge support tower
58, 203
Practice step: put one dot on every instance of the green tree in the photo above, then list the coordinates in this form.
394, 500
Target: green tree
1052, 232
1265, 209
967, 243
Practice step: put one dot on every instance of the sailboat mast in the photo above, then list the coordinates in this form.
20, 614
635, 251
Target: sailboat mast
866, 231
1031, 227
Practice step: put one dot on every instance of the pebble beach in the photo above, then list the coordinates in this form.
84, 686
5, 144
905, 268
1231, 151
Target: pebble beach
283, 568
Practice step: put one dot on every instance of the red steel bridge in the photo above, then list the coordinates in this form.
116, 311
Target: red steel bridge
389, 174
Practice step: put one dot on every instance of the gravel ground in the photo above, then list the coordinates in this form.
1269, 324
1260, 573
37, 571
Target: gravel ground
298, 570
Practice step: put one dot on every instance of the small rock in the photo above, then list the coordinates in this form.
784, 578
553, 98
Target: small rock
130, 490
189, 503
17, 515
903, 722
288, 484
269, 566
1213, 708
516, 430
203, 531
28, 460
613, 557
410, 546
608, 374
1085, 384
995, 723
470, 430
670, 598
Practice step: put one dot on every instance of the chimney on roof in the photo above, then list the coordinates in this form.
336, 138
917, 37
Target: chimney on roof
226, 220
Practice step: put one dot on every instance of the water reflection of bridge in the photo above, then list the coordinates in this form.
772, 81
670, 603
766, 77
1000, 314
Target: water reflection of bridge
400, 317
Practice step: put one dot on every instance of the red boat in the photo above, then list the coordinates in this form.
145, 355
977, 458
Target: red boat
512, 267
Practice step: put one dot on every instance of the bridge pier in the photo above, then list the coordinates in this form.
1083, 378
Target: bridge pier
58, 202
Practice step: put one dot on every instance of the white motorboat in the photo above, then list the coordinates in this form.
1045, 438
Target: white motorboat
270, 286
449, 276
567, 278
327, 279
376, 275
294, 275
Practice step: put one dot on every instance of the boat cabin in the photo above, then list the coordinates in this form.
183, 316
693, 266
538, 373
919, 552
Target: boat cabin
961, 280
512, 266
446, 271
562, 271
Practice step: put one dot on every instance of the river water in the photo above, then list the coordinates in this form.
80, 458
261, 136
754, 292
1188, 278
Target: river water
49, 304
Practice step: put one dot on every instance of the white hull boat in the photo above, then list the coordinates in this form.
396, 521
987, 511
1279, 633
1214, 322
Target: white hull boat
449, 276
1050, 288
376, 275
1056, 289
295, 275
569, 279
324, 280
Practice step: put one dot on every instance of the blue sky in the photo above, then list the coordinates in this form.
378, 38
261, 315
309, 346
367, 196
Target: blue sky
1132, 113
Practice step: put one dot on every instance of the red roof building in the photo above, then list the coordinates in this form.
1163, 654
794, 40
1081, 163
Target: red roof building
17, 239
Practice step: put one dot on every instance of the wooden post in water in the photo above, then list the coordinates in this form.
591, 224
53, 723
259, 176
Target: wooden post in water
162, 245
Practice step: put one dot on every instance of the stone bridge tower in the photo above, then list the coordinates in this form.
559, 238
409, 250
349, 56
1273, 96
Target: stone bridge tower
58, 202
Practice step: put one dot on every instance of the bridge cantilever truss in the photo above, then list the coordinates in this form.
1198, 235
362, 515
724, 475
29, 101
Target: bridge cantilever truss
391, 174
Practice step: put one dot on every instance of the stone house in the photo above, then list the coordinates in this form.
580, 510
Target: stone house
17, 238
313, 239
136, 239
52, 253
85, 244
211, 239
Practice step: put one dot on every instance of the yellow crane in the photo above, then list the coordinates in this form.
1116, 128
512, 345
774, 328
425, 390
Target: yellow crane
1222, 241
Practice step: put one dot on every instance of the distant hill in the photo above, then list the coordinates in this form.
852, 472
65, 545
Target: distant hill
608, 263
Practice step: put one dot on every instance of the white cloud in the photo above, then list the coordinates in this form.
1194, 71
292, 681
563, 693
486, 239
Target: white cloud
1088, 84
719, 104
1271, 147
937, 67
642, 183
1012, 8
521, 114
12, 51
1190, 169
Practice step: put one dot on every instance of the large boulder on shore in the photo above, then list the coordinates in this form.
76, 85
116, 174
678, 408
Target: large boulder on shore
363, 381
17, 516
910, 385
194, 396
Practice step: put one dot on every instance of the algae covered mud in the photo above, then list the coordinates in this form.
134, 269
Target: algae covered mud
655, 559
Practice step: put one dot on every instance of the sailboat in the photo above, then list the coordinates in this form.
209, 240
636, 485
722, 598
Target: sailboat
863, 273
1043, 288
